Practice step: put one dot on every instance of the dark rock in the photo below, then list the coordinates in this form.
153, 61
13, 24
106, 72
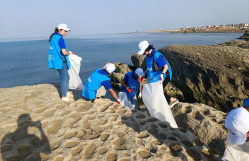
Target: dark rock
138, 61
245, 36
214, 75
241, 44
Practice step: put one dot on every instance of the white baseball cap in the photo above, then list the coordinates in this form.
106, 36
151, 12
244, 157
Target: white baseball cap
237, 123
139, 72
63, 26
142, 46
110, 68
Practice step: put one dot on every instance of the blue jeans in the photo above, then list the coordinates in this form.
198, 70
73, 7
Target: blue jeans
64, 78
133, 102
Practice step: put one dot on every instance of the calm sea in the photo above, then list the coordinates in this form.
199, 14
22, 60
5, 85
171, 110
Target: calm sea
25, 62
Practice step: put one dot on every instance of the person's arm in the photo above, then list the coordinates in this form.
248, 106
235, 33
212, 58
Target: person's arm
64, 52
165, 68
62, 45
124, 84
140, 90
107, 85
162, 64
114, 94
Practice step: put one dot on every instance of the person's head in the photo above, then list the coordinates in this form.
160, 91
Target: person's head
144, 48
237, 123
61, 29
139, 72
109, 68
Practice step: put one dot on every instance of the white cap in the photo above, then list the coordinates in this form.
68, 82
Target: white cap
142, 46
110, 68
63, 26
237, 123
139, 72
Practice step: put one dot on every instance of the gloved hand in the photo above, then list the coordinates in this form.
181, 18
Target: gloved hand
161, 76
140, 79
129, 89
118, 101
140, 95
70, 52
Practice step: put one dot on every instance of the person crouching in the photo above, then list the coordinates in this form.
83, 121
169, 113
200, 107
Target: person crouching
131, 83
97, 79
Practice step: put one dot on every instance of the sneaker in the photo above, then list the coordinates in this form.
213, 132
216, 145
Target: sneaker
65, 99
69, 94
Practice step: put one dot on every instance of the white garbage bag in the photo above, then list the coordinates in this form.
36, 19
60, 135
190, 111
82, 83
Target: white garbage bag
74, 78
235, 152
156, 103
124, 100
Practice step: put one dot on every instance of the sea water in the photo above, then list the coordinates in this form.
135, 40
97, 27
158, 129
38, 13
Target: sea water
26, 62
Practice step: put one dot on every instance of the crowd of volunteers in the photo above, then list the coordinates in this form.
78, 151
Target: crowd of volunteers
157, 70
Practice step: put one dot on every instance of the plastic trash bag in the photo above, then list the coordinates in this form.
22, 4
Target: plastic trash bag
235, 152
155, 101
74, 78
124, 100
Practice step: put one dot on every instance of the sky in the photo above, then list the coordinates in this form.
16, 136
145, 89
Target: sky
30, 18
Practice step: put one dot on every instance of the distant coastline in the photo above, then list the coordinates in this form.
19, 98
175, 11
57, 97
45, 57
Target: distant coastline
190, 30
230, 28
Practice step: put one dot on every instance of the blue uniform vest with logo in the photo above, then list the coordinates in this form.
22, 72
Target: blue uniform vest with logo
93, 83
55, 56
154, 76
133, 84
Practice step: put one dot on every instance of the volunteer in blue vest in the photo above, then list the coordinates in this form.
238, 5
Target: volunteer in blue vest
58, 58
158, 68
237, 124
131, 83
97, 79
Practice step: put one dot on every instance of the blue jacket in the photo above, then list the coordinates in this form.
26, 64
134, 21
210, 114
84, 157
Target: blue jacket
154, 76
55, 56
93, 83
133, 84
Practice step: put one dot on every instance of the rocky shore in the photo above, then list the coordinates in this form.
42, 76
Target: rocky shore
37, 125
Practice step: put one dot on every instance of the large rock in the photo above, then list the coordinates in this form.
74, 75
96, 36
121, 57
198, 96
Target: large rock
138, 61
241, 44
214, 75
245, 36
118, 76
204, 121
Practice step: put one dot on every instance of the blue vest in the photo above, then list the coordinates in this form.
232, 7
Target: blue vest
133, 84
93, 83
154, 76
55, 60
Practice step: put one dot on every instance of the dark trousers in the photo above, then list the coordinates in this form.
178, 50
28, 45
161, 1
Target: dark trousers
165, 82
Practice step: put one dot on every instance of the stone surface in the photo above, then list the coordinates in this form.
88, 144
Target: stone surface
214, 75
82, 130
204, 121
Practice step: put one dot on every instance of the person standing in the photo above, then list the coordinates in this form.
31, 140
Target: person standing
158, 68
237, 124
58, 58
131, 83
98, 79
